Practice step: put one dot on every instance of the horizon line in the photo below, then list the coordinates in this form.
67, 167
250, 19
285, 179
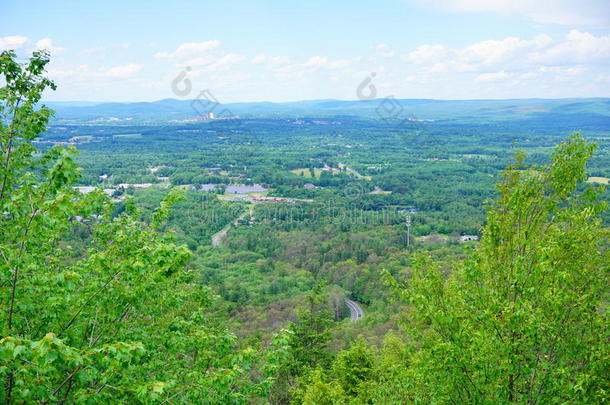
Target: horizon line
330, 99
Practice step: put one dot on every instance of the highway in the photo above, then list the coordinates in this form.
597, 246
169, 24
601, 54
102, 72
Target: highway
356, 312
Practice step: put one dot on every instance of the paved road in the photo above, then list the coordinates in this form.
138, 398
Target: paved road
355, 173
220, 236
356, 312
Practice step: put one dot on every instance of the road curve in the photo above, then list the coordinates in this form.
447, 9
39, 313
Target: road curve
355, 311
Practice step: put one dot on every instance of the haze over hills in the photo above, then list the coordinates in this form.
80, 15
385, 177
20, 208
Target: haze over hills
425, 109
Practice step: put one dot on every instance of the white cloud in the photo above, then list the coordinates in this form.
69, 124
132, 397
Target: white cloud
339, 63
226, 61
192, 48
277, 64
528, 75
123, 71
571, 71
277, 61
492, 52
59, 73
318, 62
427, 54
514, 54
578, 47
258, 59
285, 70
66, 73
563, 12
47, 44
437, 68
200, 61
492, 77
563, 73
12, 42
99, 51
94, 50
229, 80
189, 49
385, 50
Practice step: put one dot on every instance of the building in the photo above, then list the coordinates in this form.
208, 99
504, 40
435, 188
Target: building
468, 238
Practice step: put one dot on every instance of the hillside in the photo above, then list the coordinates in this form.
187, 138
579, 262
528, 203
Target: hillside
453, 110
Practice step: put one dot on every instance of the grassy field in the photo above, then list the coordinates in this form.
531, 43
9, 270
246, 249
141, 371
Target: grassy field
306, 173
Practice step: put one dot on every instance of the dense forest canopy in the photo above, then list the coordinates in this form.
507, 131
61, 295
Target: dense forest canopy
212, 261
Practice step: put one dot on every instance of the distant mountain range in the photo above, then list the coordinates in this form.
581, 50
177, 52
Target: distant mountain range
168, 110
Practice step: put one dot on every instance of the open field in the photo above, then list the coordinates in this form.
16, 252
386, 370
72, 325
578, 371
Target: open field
305, 172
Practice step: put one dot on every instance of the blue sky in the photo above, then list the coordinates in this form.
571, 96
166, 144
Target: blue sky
288, 50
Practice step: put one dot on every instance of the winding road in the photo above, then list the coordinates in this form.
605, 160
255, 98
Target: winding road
356, 312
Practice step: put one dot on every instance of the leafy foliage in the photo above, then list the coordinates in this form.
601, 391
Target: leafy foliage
523, 320
121, 320
107, 301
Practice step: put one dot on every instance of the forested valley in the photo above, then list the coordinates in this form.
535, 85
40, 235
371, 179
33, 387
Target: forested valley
226, 261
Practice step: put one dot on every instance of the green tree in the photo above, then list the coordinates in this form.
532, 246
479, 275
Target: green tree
123, 320
306, 346
523, 321
354, 366
315, 389
310, 335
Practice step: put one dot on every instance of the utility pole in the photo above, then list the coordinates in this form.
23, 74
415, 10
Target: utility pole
408, 222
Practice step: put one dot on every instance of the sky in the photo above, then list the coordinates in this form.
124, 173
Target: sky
287, 50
